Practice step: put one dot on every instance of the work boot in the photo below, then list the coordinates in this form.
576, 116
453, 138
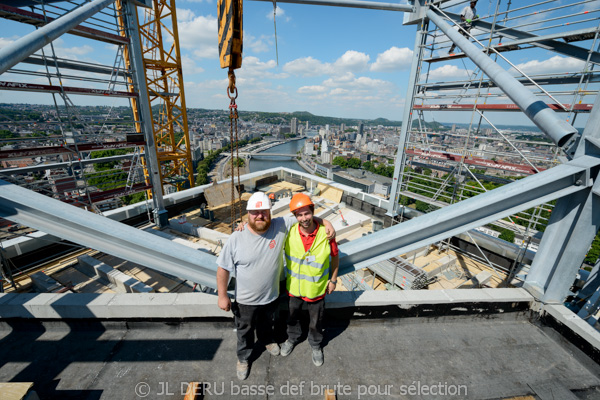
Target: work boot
317, 356
451, 51
273, 349
242, 369
286, 348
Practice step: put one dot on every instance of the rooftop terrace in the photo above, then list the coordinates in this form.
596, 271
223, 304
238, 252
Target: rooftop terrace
456, 344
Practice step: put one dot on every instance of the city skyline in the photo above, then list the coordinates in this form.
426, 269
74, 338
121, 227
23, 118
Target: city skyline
343, 62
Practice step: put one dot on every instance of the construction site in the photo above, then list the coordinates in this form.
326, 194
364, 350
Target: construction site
109, 258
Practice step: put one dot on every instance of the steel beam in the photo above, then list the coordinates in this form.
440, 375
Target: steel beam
372, 5
497, 107
91, 230
547, 41
488, 207
34, 87
574, 223
411, 88
64, 149
76, 65
591, 294
27, 45
28, 17
145, 113
546, 80
540, 114
43, 167
568, 236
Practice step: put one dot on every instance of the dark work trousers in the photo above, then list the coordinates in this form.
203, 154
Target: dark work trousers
315, 326
467, 27
259, 318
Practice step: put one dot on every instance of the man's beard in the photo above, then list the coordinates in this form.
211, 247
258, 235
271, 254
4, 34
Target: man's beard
306, 224
261, 225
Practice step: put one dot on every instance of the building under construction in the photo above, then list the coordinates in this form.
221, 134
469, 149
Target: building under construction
106, 300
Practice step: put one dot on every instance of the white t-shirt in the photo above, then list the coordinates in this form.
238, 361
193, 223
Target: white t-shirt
258, 260
469, 13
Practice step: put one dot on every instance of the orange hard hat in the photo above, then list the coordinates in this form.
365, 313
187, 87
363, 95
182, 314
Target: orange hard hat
300, 200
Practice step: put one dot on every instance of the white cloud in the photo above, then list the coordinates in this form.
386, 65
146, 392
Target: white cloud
554, 64
393, 59
352, 61
252, 66
349, 81
198, 34
257, 45
280, 15
339, 91
448, 71
591, 6
312, 89
189, 66
5, 41
73, 53
306, 66
184, 14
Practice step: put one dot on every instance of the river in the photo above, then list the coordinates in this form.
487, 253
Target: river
291, 147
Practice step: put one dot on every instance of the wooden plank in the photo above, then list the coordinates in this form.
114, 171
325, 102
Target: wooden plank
330, 193
552, 390
14, 390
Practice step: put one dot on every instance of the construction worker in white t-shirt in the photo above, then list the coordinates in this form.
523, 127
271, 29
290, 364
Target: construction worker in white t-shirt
468, 14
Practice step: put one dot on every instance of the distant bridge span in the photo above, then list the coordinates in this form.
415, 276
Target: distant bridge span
253, 154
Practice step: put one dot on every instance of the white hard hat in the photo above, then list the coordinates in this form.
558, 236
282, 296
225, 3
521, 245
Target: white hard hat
259, 201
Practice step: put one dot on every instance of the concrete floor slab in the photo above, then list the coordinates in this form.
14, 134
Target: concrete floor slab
466, 357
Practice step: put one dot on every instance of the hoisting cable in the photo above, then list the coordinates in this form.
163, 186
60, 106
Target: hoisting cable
233, 140
230, 56
275, 27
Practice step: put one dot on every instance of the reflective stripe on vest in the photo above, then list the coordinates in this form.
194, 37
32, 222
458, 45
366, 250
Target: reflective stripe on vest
307, 278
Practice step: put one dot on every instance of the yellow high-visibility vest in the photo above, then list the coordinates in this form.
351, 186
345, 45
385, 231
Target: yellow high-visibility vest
307, 272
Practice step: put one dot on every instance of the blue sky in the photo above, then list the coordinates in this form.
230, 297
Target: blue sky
333, 61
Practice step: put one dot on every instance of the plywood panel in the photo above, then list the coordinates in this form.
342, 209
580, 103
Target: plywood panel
220, 194
330, 193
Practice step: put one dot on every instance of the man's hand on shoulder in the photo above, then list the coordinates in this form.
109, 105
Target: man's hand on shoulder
240, 227
328, 227
329, 230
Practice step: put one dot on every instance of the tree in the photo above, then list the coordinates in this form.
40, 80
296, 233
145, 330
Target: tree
4, 134
594, 252
354, 163
133, 198
507, 235
341, 161
422, 206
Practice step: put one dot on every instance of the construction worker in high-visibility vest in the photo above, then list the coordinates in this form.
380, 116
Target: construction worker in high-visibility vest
254, 255
310, 275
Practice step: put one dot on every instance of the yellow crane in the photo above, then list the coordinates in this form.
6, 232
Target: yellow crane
161, 55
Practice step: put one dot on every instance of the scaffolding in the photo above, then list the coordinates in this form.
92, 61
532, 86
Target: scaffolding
75, 154
439, 164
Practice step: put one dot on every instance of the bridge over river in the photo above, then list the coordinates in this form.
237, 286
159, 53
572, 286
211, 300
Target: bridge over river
261, 154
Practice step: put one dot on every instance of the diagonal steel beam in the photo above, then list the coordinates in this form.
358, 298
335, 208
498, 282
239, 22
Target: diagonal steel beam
372, 5
27, 45
536, 110
91, 230
545, 42
518, 196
